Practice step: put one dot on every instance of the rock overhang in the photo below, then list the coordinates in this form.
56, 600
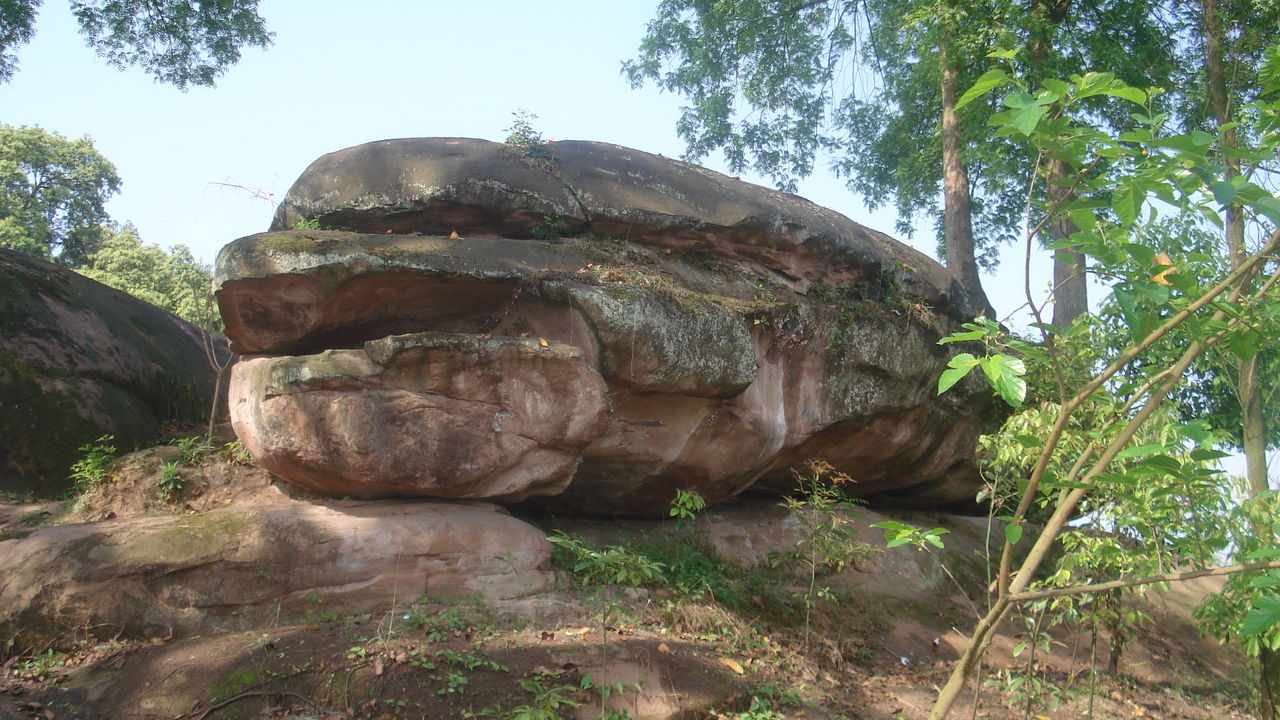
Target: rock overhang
726, 329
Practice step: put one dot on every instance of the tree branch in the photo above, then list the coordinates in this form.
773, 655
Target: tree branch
1166, 577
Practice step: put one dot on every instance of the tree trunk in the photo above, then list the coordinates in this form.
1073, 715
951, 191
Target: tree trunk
957, 220
1248, 389
1070, 291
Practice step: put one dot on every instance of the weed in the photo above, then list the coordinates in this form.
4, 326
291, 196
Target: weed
357, 652
236, 453
193, 450
549, 700
448, 623
455, 682
171, 482
613, 565
548, 230
685, 506
41, 667
830, 542
527, 142
96, 462
469, 662
307, 223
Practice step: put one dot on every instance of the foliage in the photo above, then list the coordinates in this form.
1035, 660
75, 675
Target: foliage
897, 534
527, 142
173, 280
678, 562
1248, 606
685, 506
97, 461
1135, 471
193, 450
181, 42
53, 194
1004, 372
778, 86
613, 565
237, 454
170, 482
829, 542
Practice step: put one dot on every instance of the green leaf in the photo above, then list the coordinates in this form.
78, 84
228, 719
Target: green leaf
1127, 200
1139, 450
1012, 534
959, 366
989, 79
962, 337
1132, 94
1223, 192
1264, 616
1207, 454
1004, 373
1027, 118
1269, 580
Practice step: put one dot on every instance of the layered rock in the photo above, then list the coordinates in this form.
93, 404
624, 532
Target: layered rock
238, 568
79, 360
667, 328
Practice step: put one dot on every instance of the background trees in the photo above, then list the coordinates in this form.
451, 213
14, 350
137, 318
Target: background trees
181, 42
53, 194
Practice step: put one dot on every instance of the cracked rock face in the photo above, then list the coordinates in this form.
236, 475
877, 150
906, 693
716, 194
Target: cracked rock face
590, 327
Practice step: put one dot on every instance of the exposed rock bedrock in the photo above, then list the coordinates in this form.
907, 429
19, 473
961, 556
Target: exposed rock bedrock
688, 331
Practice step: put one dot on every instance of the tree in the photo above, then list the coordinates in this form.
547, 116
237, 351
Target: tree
172, 280
53, 194
781, 59
1157, 299
181, 42
776, 83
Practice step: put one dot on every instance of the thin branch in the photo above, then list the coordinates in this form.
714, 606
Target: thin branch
1118, 584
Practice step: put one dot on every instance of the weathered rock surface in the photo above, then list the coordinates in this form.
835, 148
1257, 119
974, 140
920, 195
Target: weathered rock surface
238, 567
428, 414
78, 360
739, 332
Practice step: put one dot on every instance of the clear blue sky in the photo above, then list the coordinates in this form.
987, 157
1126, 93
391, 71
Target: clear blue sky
337, 77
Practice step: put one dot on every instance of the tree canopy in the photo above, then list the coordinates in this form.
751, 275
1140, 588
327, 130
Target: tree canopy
173, 279
53, 194
180, 42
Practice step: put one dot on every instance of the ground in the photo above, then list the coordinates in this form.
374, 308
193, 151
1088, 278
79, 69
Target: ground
715, 631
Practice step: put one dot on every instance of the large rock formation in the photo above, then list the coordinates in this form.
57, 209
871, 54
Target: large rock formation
590, 324
236, 568
79, 360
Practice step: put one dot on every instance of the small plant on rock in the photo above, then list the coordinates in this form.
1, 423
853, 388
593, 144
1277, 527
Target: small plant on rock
97, 461
192, 450
685, 506
171, 481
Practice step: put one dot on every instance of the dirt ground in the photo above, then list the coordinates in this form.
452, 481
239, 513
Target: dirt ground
879, 641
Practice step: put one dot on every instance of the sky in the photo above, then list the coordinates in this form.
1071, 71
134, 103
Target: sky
205, 167
333, 79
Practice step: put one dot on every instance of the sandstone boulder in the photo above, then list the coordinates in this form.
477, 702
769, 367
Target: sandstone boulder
79, 360
238, 568
736, 332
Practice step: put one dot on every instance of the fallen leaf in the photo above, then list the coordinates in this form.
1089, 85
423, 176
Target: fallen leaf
662, 648
732, 664
453, 235
543, 342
